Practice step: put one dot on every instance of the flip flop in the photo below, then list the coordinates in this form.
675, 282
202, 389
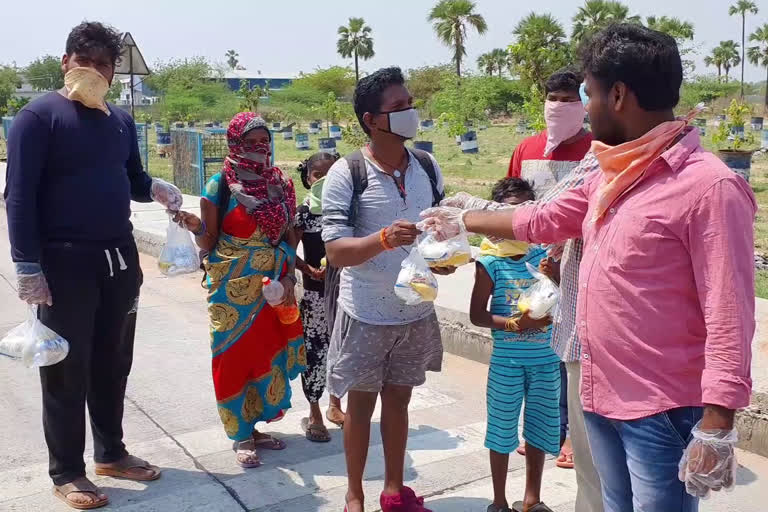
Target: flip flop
84, 486
269, 443
496, 508
539, 507
565, 460
243, 455
121, 469
315, 433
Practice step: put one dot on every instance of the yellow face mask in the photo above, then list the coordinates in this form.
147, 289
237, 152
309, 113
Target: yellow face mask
503, 249
87, 86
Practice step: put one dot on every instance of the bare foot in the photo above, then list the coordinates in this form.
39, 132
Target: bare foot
335, 415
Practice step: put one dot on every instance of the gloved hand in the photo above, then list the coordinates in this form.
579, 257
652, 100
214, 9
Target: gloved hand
709, 461
444, 222
32, 285
555, 251
166, 194
467, 201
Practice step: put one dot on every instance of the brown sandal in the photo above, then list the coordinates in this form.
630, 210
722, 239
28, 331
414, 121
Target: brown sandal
122, 469
315, 433
84, 486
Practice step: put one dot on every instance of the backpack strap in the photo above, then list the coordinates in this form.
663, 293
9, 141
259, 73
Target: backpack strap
359, 172
429, 167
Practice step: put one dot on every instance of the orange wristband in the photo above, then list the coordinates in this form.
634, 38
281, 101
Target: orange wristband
383, 239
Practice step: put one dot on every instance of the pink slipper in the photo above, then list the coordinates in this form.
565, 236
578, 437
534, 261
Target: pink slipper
406, 501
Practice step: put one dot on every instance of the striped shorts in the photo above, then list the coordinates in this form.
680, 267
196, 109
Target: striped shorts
539, 386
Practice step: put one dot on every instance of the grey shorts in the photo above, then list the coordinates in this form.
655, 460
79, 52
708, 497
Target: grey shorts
364, 357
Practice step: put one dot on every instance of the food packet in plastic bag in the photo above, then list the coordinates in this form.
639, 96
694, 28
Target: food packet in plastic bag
541, 298
33, 343
415, 283
453, 252
180, 255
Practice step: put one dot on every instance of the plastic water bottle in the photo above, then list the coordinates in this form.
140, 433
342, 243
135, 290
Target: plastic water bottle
274, 293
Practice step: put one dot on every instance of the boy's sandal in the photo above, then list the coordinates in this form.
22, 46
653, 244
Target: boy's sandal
82, 486
495, 508
539, 507
122, 469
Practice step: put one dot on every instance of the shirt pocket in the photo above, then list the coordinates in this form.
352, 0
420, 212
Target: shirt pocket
638, 244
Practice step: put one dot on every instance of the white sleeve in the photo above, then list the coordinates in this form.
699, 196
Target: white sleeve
337, 199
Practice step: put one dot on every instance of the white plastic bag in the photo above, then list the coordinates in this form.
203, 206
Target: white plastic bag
33, 343
453, 252
180, 255
415, 283
541, 298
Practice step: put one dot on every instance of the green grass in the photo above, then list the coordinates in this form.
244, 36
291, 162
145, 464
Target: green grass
761, 284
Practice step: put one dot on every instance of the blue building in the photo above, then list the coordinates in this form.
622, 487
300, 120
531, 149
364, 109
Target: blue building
234, 78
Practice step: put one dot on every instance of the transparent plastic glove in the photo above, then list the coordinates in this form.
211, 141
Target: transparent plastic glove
166, 194
444, 222
709, 461
32, 285
555, 251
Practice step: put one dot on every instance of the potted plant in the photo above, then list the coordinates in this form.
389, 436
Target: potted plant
735, 146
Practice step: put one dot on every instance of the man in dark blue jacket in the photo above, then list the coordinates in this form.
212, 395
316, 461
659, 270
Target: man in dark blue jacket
73, 168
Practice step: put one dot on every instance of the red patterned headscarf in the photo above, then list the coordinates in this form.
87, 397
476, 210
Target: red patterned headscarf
261, 189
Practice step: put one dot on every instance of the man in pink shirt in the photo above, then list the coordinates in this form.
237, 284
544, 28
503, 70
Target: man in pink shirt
666, 287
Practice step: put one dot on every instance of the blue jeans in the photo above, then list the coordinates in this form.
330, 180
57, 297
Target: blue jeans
638, 460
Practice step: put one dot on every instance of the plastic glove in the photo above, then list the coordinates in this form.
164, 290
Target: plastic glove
166, 194
709, 461
555, 251
31, 284
444, 222
469, 202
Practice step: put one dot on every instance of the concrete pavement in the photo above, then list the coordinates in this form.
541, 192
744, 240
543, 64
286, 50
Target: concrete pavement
171, 419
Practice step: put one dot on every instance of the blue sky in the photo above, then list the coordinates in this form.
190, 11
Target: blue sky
284, 37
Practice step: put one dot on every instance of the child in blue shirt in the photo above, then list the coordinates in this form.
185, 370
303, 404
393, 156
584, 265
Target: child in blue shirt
523, 365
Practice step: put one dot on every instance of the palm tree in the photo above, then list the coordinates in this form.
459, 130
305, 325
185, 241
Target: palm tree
758, 55
232, 58
598, 14
680, 30
450, 19
500, 59
540, 49
716, 60
355, 40
729, 54
486, 64
743, 7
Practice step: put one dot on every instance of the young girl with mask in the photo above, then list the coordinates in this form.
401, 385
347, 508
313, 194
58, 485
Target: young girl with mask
308, 227
255, 354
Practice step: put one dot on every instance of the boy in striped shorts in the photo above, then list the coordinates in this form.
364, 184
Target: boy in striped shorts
523, 365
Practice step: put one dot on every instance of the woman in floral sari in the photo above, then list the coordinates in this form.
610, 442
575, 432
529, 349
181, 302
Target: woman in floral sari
254, 355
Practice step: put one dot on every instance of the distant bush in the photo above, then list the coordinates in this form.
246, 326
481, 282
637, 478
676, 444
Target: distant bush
704, 89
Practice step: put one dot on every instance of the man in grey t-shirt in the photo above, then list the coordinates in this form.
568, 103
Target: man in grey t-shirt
379, 344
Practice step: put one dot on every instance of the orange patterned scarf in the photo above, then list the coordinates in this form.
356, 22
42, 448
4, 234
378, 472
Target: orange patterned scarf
625, 164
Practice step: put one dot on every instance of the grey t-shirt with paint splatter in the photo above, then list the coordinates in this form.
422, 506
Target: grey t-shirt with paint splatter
367, 291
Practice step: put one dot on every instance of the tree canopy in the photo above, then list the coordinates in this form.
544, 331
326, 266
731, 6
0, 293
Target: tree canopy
44, 73
355, 41
451, 19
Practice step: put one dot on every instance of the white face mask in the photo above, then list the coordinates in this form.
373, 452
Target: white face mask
404, 123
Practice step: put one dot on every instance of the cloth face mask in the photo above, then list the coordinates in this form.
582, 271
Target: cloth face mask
87, 86
564, 120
